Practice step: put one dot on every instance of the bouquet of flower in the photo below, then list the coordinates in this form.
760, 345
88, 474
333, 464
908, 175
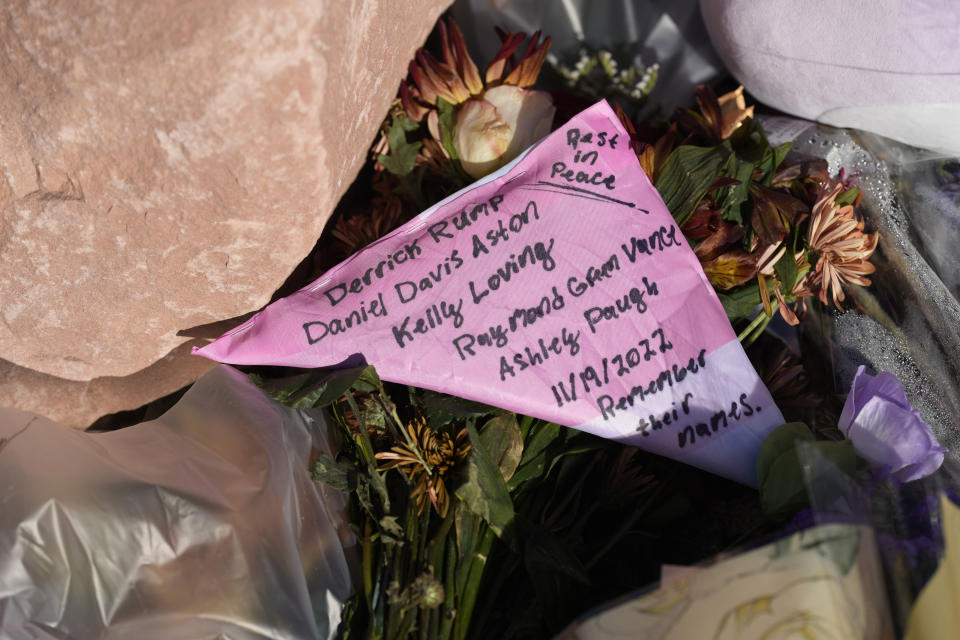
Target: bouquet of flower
473, 521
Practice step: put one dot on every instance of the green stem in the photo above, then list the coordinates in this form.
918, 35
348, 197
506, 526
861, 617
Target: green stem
424, 622
405, 626
433, 623
753, 325
504, 572
422, 538
365, 444
439, 542
367, 562
758, 331
401, 567
449, 612
468, 598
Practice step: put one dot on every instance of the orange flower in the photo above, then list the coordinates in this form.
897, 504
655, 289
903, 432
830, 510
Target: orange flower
843, 249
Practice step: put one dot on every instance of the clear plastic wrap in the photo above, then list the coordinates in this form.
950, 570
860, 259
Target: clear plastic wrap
203, 523
905, 517
907, 323
909, 319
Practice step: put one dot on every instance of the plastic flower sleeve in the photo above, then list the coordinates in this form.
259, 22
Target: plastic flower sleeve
905, 517
201, 523
906, 322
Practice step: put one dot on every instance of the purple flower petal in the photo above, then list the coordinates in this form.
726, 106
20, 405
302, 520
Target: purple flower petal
886, 385
850, 408
886, 430
923, 468
878, 434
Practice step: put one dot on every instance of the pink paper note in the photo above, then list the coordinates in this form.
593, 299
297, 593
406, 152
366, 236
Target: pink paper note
558, 287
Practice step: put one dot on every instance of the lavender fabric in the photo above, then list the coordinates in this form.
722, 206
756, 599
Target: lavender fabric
887, 66
878, 419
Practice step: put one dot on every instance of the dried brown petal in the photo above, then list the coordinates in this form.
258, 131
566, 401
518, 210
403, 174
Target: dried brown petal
733, 111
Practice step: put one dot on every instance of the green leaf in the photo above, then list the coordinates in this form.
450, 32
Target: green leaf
730, 198
442, 409
772, 158
368, 381
339, 475
848, 197
533, 463
783, 491
375, 480
317, 388
686, 177
466, 525
787, 270
779, 153
328, 392
403, 121
741, 302
840, 543
778, 442
345, 476
541, 435
447, 121
780, 472
403, 154
501, 438
484, 491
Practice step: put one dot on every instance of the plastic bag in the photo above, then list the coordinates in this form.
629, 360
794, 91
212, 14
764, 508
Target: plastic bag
906, 322
203, 523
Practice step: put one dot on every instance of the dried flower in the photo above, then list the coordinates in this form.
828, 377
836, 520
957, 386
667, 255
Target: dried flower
733, 111
359, 230
769, 258
498, 116
787, 382
626, 478
843, 248
429, 590
429, 465
717, 118
730, 269
492, 131
885, 429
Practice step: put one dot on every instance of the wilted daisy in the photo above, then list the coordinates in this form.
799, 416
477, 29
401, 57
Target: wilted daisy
429, 467
359, 230
842, 248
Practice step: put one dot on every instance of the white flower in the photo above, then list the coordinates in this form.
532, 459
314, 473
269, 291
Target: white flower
492, 131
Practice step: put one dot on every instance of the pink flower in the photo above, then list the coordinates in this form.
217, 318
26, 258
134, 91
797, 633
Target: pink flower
878, 419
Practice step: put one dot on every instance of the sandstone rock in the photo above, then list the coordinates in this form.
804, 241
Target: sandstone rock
166, 165
77, 404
